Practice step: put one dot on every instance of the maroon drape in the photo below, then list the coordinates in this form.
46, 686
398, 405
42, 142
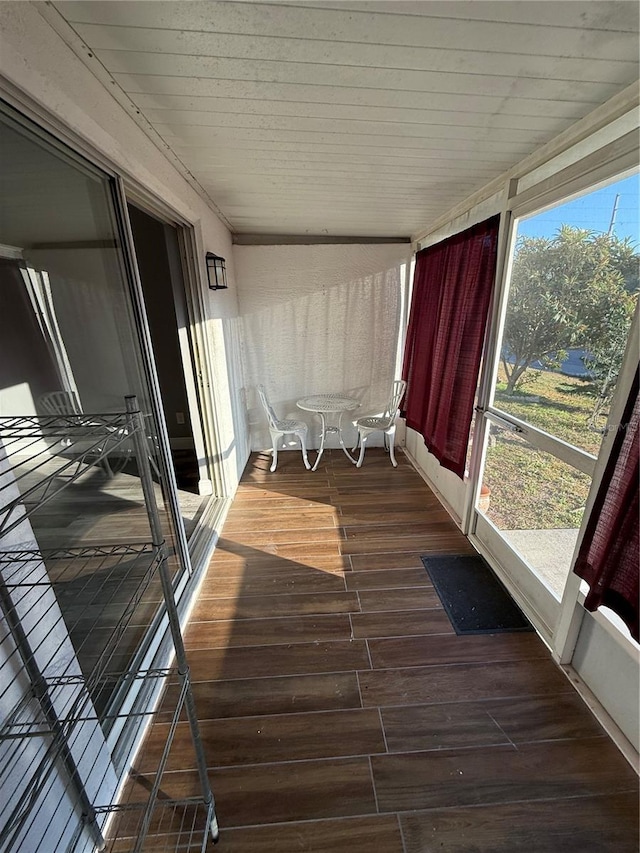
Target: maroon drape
608, 555
452, 288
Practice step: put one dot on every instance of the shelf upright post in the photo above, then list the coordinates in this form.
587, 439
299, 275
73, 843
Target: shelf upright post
158, 540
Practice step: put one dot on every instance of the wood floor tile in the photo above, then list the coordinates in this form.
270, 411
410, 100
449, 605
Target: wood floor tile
300, 790
320, 538
267, 499
391, 579
462, 682
418, 651
605, 824
500, 774
277, 793
415, 496
314, 495
295, 659
545, 718
427, 528
390, 514
451, 725
278, 567
293, 518
425, 543
274, 695
265, 739
300, 550
445, 726
388, 560
264, 632
244, 584
238, 558
409, 598
400, 623
346, 835
255, 606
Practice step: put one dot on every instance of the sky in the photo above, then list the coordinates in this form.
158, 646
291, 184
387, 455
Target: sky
594, 212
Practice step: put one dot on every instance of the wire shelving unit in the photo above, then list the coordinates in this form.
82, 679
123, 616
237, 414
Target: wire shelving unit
71, 664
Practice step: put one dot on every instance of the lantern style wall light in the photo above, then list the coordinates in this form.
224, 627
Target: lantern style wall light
216, 271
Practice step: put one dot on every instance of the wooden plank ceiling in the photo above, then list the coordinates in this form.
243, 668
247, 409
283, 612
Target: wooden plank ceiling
357, 119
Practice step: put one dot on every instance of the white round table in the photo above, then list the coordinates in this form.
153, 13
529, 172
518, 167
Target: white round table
329, 404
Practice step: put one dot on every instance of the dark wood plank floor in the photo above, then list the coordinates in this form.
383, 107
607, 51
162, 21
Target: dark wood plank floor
340, 712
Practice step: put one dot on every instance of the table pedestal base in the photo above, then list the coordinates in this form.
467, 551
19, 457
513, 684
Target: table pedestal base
330, 430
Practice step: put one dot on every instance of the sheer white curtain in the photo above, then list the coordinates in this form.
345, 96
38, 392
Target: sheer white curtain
321, 319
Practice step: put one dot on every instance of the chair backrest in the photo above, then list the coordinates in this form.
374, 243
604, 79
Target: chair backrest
271, 415
60, 403
397, 392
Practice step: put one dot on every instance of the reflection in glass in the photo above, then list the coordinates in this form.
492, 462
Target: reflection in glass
69, 346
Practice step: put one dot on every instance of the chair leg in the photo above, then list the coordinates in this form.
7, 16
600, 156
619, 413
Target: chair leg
104, 462
274, 452
363, 443
304, 451
355, 446
392, 435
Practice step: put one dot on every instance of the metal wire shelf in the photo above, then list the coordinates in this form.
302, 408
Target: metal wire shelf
99, 588
179, 825
73, 443
68, 636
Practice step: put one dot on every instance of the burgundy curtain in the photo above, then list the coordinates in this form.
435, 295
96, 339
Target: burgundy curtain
608, 556
452, 288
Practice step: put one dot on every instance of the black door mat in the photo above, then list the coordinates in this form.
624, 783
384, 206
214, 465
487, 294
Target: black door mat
473, 597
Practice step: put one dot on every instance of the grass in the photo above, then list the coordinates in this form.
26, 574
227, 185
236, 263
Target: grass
531, 489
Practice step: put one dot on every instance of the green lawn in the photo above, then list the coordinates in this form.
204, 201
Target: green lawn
530, 489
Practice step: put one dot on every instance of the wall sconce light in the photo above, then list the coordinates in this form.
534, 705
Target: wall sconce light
216, 271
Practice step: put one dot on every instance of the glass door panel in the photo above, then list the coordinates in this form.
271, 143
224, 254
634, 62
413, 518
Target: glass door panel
70, 343
536, 501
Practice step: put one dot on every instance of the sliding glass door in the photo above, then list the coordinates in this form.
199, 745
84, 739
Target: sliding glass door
572, 292
74, 342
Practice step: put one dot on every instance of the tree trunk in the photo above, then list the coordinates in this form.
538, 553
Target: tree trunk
514, 377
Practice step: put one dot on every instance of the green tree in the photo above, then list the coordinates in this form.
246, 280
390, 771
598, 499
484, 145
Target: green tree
576, 289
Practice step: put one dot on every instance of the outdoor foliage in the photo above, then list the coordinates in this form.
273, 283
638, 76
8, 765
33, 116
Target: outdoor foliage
530, 489
577, 289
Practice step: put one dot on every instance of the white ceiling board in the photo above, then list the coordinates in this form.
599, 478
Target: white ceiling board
369, 118
436, 58
382, 24
593, 15
211, 108
242, 90
316, 74
424, 130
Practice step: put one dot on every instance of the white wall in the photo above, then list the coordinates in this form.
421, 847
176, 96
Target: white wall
319, 319
451, 490
35, 59
608, 663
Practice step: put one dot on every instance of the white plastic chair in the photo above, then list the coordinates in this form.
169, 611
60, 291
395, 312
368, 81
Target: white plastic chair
60, 403
67, 403
281, 428
385, 422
